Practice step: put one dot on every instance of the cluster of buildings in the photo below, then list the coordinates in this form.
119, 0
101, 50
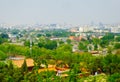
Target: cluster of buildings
97, 29
36, 26
100, 28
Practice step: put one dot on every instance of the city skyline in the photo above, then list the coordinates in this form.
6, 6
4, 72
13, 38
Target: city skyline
59, 11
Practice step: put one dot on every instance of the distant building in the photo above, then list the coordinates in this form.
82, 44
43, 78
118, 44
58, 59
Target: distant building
75, 38
76, 29
102, 30
115, 29
13, 38
86, 29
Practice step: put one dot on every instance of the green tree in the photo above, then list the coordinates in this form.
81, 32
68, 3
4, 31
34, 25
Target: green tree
48, 35
39, 35
83, 45
117, 46
3, 56
114, 78
104, 43
96, 42
48, 44
4, 35
1, 40
68, 41
111, 64
24, 68
51, 44
15, 31
108, 37
105, 40
27, 43
117, 39
75, 69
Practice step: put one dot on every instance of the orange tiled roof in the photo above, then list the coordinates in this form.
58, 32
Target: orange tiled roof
18, 63
46, 69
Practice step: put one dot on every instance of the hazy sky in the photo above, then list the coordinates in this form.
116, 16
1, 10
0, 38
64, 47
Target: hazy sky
59, 11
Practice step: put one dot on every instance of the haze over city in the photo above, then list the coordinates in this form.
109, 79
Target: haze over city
59, 11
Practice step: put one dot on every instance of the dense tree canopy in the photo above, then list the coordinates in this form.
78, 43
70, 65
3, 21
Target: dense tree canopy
83, 45
106, 40
3, 56
48, 44
4, 35
117, 46
117, 39
47, 52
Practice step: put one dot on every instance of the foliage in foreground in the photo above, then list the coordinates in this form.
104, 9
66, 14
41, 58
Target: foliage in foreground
108, 64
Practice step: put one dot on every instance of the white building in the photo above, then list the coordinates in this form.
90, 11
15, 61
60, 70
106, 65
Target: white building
115, 29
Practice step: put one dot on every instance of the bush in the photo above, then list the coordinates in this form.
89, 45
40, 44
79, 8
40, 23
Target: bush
114, 78
3, 56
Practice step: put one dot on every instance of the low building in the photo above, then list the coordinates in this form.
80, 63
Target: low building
75, 38
19, 60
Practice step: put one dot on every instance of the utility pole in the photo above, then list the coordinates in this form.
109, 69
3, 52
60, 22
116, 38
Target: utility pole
30, 45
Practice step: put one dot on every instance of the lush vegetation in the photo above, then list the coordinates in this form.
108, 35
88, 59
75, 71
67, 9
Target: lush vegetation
3, 37
82, 65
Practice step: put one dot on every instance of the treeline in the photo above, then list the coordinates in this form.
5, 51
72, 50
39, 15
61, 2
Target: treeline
55, 33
